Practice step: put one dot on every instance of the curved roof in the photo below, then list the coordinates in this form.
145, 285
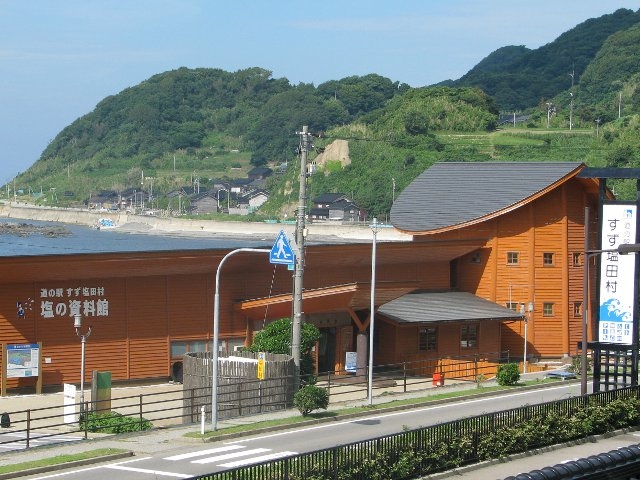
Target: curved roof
456, 194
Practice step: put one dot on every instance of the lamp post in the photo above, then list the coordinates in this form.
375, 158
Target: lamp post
77, 324
374, 228
527, 316
216, 333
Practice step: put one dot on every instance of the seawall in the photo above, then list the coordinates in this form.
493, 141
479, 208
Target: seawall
153, 224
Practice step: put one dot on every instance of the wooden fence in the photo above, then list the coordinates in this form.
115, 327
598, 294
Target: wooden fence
240, 392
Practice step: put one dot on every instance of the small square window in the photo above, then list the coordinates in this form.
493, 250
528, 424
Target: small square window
512, 306
548, 259
512, 258
428, 339
577, 259
547, 309
475, 257
469, 336
577, 309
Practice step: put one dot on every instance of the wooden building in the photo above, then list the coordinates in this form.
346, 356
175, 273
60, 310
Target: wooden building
529, 220
487, 238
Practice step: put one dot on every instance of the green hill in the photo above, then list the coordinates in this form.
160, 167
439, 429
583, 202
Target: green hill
195, 126
518, 78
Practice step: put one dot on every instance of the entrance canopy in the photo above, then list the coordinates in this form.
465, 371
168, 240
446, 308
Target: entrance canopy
352, 296
436, 307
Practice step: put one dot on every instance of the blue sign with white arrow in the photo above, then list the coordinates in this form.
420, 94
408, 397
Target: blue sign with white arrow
281, 252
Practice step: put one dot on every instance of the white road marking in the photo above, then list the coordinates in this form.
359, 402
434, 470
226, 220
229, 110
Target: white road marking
145, 470
73, 472
202, 453
221, 458
263, 458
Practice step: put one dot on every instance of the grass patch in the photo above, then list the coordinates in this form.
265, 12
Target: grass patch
48, 462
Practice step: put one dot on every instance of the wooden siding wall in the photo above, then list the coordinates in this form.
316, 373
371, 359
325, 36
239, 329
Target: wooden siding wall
554, 224
448, 341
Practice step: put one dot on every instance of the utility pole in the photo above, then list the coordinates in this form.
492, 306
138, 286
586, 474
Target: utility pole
620, 105
296, 330
572, 75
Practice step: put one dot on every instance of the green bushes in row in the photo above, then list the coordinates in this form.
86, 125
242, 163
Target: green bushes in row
420, 453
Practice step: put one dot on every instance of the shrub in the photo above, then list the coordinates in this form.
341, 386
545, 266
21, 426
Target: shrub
310, 398
508, 374
113, 422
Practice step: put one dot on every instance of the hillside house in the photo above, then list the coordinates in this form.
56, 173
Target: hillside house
205, 202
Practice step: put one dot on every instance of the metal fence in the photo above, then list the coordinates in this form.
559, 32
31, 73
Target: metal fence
238, 395
439, 447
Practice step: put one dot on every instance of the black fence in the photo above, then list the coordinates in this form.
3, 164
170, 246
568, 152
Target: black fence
178, 405
438, 448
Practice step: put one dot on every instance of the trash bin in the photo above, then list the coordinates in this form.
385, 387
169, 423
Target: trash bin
438, 379
5, 421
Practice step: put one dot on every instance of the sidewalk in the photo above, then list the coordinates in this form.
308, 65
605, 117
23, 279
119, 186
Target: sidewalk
157, 440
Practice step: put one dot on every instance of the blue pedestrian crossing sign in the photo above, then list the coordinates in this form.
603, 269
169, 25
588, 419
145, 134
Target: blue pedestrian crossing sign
281, 252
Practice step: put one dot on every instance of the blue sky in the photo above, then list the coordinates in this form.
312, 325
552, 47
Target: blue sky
58, 59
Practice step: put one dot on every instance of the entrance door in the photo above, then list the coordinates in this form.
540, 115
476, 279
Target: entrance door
327, 350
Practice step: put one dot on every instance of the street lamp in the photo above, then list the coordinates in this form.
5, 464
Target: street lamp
216, 333
374, 228
526, 321
77, 324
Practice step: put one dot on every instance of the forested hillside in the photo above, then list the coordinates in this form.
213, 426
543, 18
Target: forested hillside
197, 126
518, 78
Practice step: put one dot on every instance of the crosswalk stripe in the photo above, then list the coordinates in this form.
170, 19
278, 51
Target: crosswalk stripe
202, 453
263, 458
228, 456
152, 472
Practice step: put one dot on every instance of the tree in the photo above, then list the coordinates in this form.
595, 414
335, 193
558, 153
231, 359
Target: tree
276, 338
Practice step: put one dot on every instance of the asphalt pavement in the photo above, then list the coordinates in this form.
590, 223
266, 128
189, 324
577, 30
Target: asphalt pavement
156, 441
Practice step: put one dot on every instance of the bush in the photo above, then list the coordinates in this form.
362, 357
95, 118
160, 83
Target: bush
508, 374
113, 422
310, 398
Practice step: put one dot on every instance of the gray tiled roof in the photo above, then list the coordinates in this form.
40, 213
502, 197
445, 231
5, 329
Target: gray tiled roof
431, 307
454, 193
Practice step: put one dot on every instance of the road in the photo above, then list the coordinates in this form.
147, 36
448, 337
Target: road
184, 461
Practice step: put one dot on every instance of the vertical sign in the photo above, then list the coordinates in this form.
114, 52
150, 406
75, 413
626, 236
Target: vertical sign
69, 403
261, 362
617, 275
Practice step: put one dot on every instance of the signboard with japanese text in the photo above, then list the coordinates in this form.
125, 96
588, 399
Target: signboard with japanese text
88, 301
261, 364
23, 360
617, 275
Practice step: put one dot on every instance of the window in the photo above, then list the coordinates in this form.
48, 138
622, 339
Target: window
512, 258
547, 309
548, 259
428, 339
577, 309
577, 259
512, 306
476, 257
469, 336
